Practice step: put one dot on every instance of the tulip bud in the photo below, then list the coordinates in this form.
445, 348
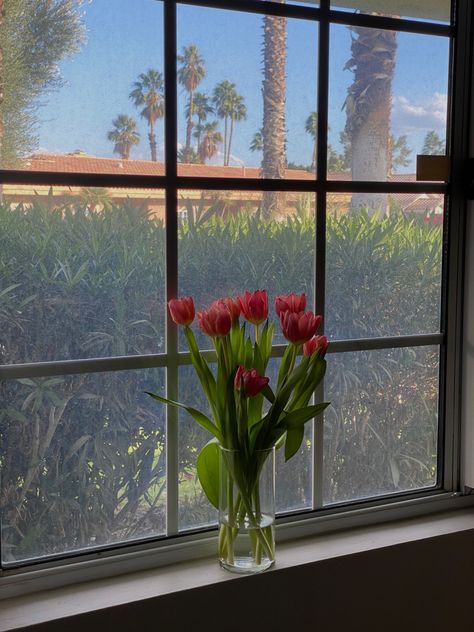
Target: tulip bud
317, 344
215, 321
253, 382
182, 310
290, 303
299, 328
254, 306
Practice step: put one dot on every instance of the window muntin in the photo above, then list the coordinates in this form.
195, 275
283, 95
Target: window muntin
311, 499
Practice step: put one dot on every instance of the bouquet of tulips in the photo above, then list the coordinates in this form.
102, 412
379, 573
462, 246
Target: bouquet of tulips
237, 392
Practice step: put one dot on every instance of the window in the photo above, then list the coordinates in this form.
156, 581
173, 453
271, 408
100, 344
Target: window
127, 178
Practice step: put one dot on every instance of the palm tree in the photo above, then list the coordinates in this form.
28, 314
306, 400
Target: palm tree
257, 141
368, 108
148, 92
190, 75
238, 112
124, 135
201, 108
274, 94
222, 97
211, 138
311, 126
433, 145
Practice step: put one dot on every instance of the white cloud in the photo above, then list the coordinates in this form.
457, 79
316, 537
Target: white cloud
410, 116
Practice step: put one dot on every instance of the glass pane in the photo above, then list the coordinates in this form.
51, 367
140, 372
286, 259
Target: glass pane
293, 487
383, 108
430, 10
381, 430
383, 272
83, 462
238, 114
82, 273
73, 101
226, 246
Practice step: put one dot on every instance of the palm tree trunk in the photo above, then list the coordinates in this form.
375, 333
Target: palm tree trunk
368, 108
274, 94
230, 139
225, 138
189, 127
152, 139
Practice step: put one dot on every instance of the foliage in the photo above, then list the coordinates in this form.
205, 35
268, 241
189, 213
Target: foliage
35, 36
433, 145
82, 457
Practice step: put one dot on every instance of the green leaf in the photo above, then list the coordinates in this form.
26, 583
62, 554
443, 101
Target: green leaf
294, 437
299, 417
208, 471
197, 415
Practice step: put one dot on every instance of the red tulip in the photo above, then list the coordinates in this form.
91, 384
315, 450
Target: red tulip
182, 310
254, 306
253, 382
215, 321
317, 344
233, 305
290, 303
299, 328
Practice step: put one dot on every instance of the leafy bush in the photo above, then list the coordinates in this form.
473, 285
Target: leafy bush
83, 456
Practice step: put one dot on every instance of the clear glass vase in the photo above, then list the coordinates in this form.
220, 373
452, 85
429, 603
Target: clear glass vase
247, 510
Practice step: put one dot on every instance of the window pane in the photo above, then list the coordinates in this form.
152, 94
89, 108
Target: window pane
383, 108
381, 430
227, 246
73, 101
293, 489
432, 10
223, 121
383, 274
82, 273
83, 462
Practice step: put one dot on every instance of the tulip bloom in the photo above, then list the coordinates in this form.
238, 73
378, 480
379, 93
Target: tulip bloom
317, 344
299, 328
290, 303
254, 306
182, 310
253, 382
215, 321
233, 306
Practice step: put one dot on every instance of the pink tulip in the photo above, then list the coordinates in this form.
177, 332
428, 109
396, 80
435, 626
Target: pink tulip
182, 310
253, 382
317, 344
254, 306
299, 328
233, 305
290, 303
215, 321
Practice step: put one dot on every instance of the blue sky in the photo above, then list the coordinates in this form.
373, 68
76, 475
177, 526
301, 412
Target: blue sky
125, 41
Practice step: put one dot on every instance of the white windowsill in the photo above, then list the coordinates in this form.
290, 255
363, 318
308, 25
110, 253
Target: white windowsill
106, 593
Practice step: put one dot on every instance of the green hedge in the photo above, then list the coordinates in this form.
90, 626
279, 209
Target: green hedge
83, 458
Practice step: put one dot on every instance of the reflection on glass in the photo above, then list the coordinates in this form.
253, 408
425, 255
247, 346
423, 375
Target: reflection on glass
227, 245
430, 10
83, 462
383, 267
383, 108
248, 111
72, 101
380, 432
83, 272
